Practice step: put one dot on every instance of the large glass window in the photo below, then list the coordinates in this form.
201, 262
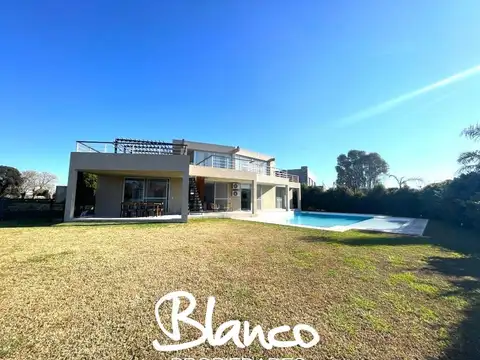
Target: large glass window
221, 190
249, 164
212, 159
221, 196
157, 189
200, 156
134, 189
146, 190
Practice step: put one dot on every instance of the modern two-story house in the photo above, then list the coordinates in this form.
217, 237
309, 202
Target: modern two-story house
185, 176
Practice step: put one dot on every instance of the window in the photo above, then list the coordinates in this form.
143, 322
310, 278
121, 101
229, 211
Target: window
146, 190
213, 159
221, 190
221, 195
200, 156
156, 189
133, 190
248, 164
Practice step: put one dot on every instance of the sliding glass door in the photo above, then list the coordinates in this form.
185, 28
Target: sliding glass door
221, 196
156, 190
217, 196
146, 190
134, 189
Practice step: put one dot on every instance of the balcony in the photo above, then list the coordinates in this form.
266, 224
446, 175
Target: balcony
131, 146
225, 162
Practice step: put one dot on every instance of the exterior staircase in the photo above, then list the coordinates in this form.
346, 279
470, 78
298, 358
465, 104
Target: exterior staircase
194, 201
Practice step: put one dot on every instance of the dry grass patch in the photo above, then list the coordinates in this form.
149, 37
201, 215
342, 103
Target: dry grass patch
89, 291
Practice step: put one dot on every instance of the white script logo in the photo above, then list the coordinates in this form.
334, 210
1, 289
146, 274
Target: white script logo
227, 331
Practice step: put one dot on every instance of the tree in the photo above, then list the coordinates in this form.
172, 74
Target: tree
374, 167
86, 187
10, 181
90, 181
470, 160
360, 170
28, 182
403, 181
35, 183
45, 193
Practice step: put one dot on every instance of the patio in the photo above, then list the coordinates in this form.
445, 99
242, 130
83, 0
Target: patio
165, 218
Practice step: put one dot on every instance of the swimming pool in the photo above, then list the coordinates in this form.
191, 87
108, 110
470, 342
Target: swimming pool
324, 220
340, 222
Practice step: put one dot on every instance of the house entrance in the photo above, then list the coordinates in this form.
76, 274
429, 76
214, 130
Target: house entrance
246, 197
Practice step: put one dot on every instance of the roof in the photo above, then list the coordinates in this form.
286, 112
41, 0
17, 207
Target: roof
201, 146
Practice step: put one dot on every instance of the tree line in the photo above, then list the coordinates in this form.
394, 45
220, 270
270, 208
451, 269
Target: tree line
359, 189
26, 184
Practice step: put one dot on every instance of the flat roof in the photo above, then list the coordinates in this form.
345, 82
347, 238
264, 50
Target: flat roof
209, 147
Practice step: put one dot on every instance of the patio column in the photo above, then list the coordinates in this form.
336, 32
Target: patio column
254, 197
185, 189
287, 202
299, 198
70, 195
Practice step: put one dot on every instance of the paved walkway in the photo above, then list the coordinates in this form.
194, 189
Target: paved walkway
393, 225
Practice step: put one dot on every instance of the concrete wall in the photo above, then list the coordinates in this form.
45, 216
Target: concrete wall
218, 173
108, 197
128, 162
60, 193
268, 197
303, 175
175, 200
235, 201
199, 146
237, 175
272, 179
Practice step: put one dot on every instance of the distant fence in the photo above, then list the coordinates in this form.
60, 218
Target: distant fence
31, 209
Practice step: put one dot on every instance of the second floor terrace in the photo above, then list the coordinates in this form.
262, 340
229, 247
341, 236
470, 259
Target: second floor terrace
230, 161
132, 146
235, 162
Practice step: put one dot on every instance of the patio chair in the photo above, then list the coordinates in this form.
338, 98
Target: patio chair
142, 210
158, 209
132, 210
124, 209
150, 209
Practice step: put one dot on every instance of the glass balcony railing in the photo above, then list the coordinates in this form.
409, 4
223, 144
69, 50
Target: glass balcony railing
131, 146
224, 162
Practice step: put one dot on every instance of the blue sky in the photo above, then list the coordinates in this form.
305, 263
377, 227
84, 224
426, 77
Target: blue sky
303, 81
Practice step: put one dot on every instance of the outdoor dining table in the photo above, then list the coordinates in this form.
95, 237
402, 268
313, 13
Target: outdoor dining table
141, 209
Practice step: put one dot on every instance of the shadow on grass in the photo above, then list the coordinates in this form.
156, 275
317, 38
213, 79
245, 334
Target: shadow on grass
463, 273
29, 223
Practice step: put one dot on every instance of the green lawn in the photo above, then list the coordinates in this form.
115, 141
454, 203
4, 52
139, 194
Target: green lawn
84, 292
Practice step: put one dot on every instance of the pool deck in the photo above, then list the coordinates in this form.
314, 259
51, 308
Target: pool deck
377, 223
393, 225
163, 218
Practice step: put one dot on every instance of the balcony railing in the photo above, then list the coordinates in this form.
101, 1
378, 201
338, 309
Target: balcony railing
130, 146
225, 162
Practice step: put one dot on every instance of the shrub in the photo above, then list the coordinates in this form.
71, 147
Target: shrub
456, 201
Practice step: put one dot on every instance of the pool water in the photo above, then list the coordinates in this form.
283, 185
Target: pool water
324, 220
